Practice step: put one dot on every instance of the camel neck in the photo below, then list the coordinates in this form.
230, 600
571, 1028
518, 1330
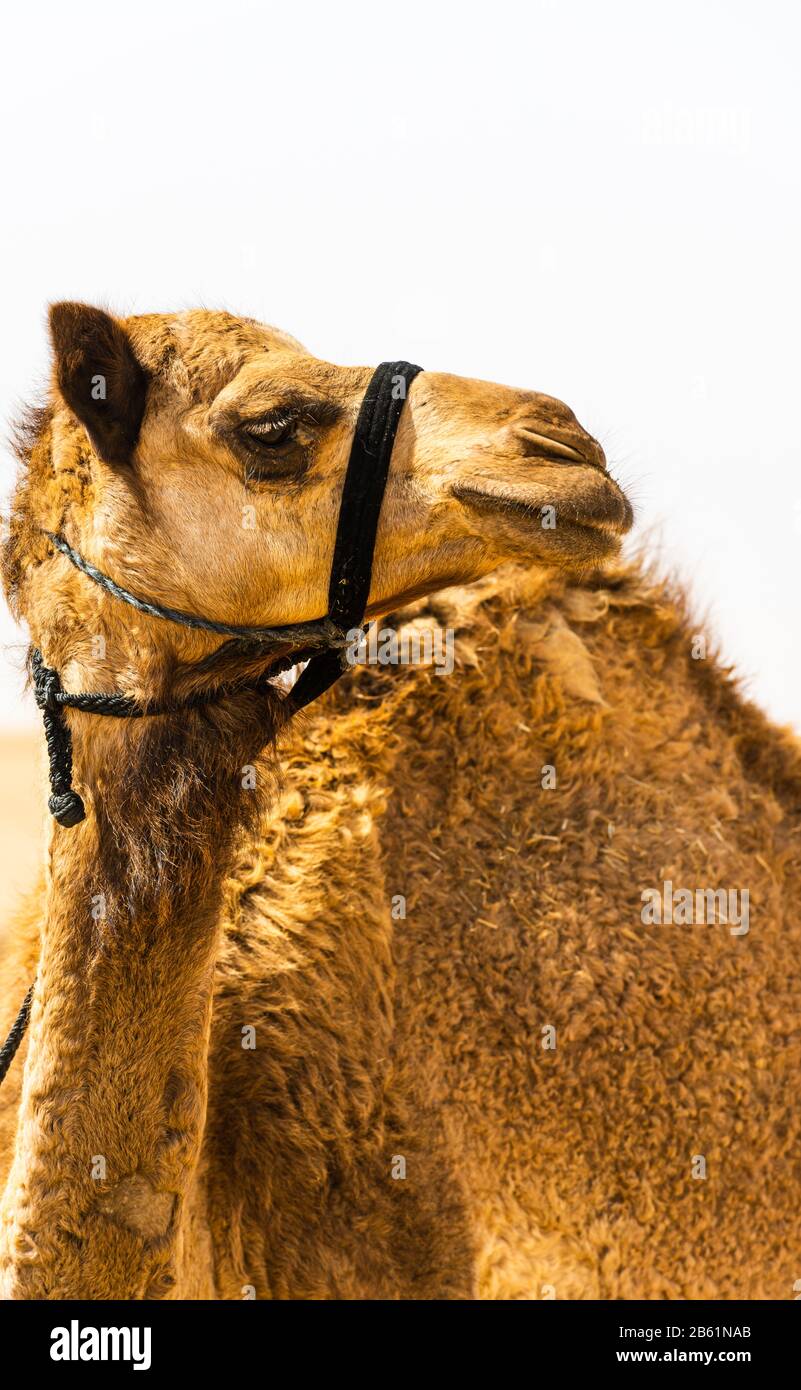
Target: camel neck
114, 1091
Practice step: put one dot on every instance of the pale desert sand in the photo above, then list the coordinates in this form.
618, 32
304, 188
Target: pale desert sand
24, 796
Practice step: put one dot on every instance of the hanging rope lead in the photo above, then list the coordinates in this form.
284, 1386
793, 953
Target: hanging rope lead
65, 804
11, 1045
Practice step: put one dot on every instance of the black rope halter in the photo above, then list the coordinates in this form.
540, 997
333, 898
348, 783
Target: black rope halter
322, 642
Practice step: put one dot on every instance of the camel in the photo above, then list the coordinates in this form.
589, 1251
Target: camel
391, 1013
200, 458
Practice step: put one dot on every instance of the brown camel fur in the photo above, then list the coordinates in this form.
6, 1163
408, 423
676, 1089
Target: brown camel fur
199, 459
476, 1070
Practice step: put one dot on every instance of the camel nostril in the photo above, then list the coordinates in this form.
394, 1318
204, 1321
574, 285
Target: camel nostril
569, 446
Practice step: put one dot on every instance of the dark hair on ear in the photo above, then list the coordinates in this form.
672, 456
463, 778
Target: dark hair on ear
99, 377
27, 431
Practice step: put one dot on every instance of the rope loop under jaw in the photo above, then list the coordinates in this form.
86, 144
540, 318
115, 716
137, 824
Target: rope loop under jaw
322, 632
65, 804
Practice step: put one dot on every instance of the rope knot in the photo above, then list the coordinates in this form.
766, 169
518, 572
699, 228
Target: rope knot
46, 684
67, 808
46, 687
336, 634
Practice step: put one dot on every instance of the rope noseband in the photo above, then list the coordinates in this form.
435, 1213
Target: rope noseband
322, 642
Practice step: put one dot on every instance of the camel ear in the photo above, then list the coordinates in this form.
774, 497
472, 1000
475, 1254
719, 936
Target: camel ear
99, 377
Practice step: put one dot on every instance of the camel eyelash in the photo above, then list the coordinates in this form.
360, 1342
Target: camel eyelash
275, 446
271, 428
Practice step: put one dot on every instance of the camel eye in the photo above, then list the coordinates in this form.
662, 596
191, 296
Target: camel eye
270, 432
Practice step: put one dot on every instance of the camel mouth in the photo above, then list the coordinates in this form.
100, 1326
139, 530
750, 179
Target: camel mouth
586, 521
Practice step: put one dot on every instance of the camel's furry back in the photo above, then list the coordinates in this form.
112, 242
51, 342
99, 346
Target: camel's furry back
527, 1171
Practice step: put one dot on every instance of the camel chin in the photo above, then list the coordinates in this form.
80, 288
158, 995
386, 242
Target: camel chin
566, 515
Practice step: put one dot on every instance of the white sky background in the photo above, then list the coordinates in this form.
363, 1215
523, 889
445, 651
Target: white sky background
599, 201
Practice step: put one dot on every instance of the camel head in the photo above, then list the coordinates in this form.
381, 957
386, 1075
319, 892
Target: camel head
199, 458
